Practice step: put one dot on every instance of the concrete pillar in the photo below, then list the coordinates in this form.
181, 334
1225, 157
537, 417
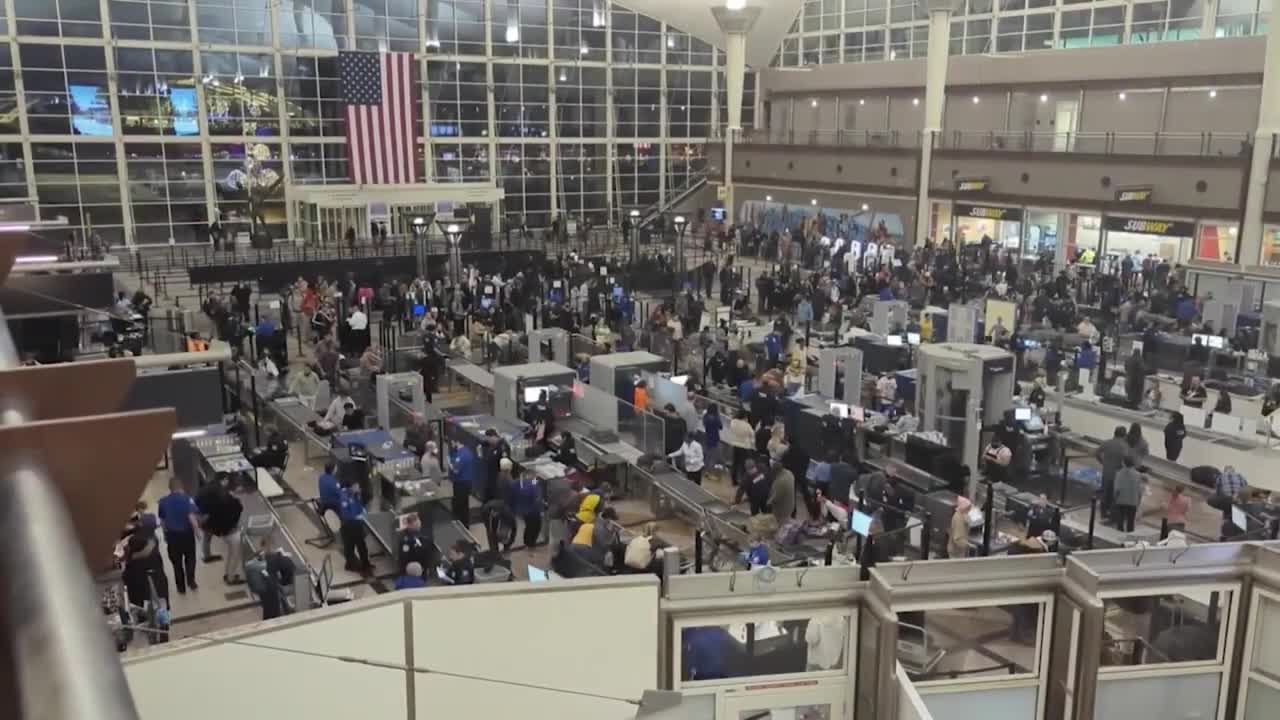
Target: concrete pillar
1260, 167
935, 86
735, 24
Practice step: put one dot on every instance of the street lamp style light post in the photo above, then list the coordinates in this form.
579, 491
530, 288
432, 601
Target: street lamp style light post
421, 228
680, 223
453, 230
631, 233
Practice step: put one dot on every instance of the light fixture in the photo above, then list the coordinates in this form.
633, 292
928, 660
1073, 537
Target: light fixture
975, 100
564, 76
865, 207
1213, 93
453, 228
1123, 96
513, 33
671, 42
915, 101
679, 221
768, 198
1044, 98
893, 54
813, 102
813, 201
862, 102
735, 4
584, 50
184, 434
36, 259
14, 228
635, 214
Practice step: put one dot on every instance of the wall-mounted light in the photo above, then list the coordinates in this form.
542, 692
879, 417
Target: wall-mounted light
735, 4
814, 201
768, 198
915, 101
1123, 96
1213, 93
862, 102
1044, 98
975, 100
813, 102
865, 207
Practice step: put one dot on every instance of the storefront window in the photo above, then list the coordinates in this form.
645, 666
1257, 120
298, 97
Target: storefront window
763, 647
1271, 246
939, 221
1139, 238
1084, 237
1042, 234
1216, 242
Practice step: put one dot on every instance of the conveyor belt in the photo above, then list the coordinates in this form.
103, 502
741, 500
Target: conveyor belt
1126, 416
473, 374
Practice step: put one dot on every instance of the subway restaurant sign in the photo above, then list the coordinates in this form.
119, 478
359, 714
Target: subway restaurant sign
988, 212
1134, 195
1150, 226
973, 184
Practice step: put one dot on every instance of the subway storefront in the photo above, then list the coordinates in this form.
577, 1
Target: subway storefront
1139, 237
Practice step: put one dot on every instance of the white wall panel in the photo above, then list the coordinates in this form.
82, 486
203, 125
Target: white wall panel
221, 681
605, 639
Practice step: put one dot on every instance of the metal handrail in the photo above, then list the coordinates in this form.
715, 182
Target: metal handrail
1157, 143
62, 659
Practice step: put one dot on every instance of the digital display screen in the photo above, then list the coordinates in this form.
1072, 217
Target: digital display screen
533, 394
840, 410
419, 310
1239, 517
183, 102
1209, 341
913, 338
860, 522
894, 340
617, 293
90, 112
537, 574
718, 214
680, 379
1022, 413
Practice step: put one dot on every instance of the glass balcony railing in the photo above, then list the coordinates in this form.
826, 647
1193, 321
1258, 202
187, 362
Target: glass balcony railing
1203, 144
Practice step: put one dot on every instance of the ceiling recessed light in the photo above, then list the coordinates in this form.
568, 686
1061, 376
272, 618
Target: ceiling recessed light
1213, 93
1044, 98
975, 100
1123, 96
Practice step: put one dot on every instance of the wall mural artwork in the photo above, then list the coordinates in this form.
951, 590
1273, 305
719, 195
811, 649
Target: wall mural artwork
853, 225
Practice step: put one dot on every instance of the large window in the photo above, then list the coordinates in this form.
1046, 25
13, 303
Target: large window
320, 24
13, 171
386, 25
66, 90
1241, 17
157, 92
689, 103
240, 94
746, 647
636, 39
319, 163
8, 92
584, 181
66, 18
239, 22
519, 28
166, 192
637, 102
525, 170
455, 27
459, 99
167, 20
581, 101
638, 173
520, 100
461, 162
313, 101
580, 27
79, 181
1092, 27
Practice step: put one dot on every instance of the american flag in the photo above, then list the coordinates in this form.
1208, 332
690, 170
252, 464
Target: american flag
377, 89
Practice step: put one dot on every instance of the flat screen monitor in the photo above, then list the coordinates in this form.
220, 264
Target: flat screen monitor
419, 310
860, 522
533, 394
1239, 517
913, 338
894, 340
718, 214
680, 379
604, 271
617, 293
537, 574
1022, 413
840, 410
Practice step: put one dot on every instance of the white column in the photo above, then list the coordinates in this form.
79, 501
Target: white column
935, 86
735, 24
1260, 167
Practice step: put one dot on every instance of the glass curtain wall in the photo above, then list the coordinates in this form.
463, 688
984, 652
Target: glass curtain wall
871, 30
142, 121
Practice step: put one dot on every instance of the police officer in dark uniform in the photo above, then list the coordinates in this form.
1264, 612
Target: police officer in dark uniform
415, 544
352, 513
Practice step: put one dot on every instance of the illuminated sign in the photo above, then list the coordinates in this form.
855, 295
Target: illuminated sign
972, 184
1150, 226
1134, 195
988, 212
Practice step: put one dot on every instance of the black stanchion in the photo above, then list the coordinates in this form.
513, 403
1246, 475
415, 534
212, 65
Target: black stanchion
867, 559
1164, 528
926, 536
988, 513
222, 383
257, 427
1093, 519
697, 552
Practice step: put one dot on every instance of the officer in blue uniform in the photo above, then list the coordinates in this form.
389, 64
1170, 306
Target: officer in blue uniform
351, 512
